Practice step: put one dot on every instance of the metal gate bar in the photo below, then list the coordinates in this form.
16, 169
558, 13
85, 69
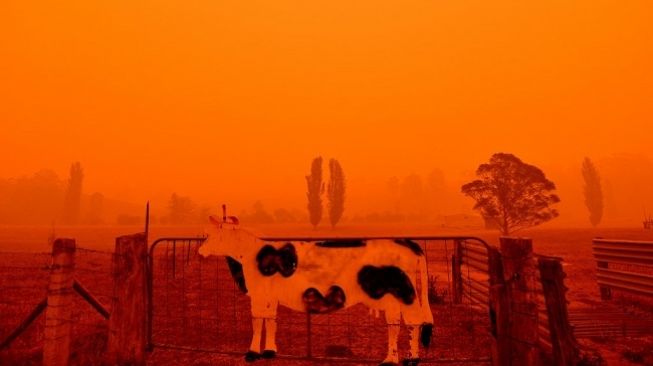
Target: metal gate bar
471, 310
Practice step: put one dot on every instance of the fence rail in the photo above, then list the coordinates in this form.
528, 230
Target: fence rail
624, 265
471, 259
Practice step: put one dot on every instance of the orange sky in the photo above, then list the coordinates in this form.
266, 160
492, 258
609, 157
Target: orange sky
229, 100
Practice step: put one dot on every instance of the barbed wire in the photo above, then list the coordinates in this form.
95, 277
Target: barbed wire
95, 251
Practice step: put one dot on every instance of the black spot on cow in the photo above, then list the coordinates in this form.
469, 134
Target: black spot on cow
378, 281
237, 274
271, 260
287, 257
341, 243
318, 304
267, 260
416, 248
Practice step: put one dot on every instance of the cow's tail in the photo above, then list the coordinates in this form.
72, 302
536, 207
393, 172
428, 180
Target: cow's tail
427, 325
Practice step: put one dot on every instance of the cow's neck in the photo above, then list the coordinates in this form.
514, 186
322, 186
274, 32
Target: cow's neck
243, 243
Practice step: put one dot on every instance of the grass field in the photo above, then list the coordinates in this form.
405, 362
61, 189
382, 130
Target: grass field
202, 321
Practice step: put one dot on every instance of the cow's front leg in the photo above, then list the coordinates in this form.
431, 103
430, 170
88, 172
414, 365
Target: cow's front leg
254, 352
393, 319
263, 312
270, 349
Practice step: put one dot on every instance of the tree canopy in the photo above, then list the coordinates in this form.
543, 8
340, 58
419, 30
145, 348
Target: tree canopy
513, 194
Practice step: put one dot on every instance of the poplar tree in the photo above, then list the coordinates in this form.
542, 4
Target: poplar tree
593, 192
73, 196
336, 192
314, 194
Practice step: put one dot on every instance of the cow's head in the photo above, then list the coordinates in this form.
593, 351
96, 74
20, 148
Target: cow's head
226, 238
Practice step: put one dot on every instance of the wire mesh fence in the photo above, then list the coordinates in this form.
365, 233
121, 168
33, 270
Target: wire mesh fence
26, 284
24, 281
94, 276
195, 305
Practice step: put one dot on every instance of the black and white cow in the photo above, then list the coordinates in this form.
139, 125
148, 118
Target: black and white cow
320, 277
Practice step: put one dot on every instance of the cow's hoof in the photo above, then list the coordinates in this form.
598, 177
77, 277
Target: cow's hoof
267, 354
252, 356
426, 334
411, 362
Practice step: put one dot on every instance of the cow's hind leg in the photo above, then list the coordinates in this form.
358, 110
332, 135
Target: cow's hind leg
393, 319
270, 349
415, 317
413, 357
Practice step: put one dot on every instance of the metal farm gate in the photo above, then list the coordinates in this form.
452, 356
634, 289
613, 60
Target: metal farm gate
195, 305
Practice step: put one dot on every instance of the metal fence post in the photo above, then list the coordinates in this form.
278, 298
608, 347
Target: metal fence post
58, 315
127, 324
456, 271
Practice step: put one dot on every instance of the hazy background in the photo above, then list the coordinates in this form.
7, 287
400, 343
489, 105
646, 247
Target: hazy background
228, 101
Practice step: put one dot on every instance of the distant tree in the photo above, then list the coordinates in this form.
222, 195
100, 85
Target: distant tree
315, 190
412, 197
203, 214
258, 215
282, 215
94, 210
436, 192
392, 186
593, 192
336, 192
514, 194
73, 197
34, 199
181, 209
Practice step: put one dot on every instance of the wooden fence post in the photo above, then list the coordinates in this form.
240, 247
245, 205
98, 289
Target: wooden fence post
127, 335
499, 310
520, 278
58, 315
565, 350
456, 271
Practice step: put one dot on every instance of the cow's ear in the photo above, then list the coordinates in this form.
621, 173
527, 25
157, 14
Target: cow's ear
214, 221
